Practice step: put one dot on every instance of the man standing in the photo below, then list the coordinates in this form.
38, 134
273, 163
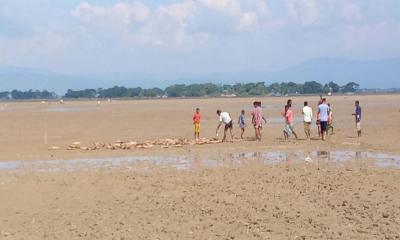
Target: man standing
257, 119
357, 114
307, 118
289, 120
225, 118
323, 111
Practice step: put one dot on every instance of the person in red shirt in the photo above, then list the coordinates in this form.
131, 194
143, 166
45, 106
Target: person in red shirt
289, 123
196, 122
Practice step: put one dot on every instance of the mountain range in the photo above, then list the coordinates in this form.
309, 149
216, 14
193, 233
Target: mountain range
383, 73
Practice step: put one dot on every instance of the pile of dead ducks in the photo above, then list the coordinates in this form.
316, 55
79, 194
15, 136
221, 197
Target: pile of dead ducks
131, 145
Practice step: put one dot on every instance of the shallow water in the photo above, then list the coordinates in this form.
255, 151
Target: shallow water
199, 161
378, 159
47, 108
71, 109
281, 120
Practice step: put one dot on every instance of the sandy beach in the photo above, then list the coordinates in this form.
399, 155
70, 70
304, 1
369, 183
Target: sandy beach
239, 190
251, 202
26, 127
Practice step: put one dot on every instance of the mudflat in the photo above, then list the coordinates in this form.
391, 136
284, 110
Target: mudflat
246, 198
28, 130
300, 201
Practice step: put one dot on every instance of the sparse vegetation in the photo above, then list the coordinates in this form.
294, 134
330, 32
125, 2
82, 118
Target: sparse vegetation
191, 90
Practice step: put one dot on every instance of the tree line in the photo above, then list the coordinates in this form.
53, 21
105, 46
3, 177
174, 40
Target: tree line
215, 90
27, 95
191, 90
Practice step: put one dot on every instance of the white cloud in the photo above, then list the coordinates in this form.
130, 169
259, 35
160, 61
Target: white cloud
258, 6
231, 7
247, 12
304, 12
351, 11
135, 33
324, 12
136, 23
374, 37
180, 11
166, 25
33, 49
120, 14
248, 21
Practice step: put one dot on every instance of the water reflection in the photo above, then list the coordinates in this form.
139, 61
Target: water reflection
198, 161
380, 159
323, 155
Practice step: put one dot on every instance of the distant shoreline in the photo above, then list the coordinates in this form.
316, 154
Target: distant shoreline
66, 100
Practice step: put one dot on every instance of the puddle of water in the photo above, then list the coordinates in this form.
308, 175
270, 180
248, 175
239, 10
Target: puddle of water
196, 161
281, 120
9, 165
69, 109
88, 164
48, 108
379, 159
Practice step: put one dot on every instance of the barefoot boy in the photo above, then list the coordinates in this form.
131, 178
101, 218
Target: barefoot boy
357, 114
242, 123
289, 123
323, 111
226, 119
257, 120
196, 122
307, 119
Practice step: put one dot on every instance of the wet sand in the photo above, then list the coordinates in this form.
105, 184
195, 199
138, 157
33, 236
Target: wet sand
230, 197
299, 201
25, 127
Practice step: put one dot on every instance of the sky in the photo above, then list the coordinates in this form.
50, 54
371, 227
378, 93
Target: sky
193, 36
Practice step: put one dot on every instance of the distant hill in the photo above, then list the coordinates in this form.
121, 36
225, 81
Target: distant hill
370, 74
26, 78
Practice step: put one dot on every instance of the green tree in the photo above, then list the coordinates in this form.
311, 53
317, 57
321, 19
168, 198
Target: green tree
258, 90
5, 95
334, 87
312, 87
86, 93
177, 90
350, 87
326, 88
115, 92
195, 90
212, 89
275, 88
153, 92
31, 94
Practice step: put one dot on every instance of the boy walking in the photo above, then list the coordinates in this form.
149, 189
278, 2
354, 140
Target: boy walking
357, 114
242, 123
289, 120
257, 119
307, 119
323, 111
196, 122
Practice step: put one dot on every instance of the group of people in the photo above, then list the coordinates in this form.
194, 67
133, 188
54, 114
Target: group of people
324, 120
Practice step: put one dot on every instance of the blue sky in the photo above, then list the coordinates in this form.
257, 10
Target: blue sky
193, 36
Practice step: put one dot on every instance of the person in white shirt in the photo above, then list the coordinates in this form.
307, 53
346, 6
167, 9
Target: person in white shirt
307, 119
226, 119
